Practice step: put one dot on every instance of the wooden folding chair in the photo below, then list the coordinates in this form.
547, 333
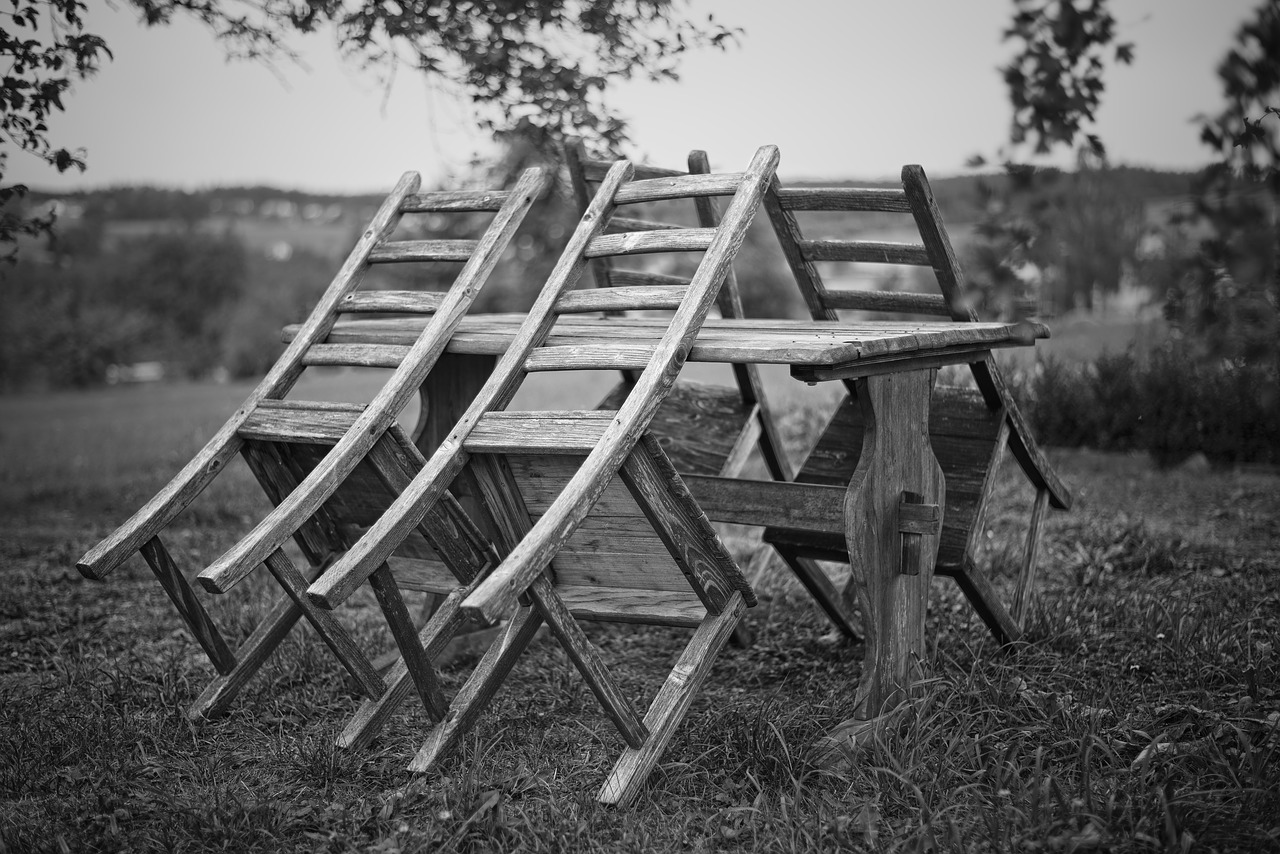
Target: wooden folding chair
969, 428
578, 544
330, 468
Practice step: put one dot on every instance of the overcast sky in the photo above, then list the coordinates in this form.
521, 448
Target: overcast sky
846, 88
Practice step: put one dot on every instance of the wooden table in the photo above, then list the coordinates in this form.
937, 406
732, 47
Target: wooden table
890, 366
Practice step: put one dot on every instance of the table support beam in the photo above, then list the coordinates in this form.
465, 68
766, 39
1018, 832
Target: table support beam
896, 457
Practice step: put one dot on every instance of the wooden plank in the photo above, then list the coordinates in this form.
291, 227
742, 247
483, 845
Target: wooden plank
1027, 575
569, 432
456, 201
402, 251
329, 629
815, 580
399, 302
382, 411
252, 654
679, 186
415, 658
622, 224
643, 279
902, 303
189, 608
986, 601
618, 298
804, 506
528, 559
867, 251
672, 703
479, 688
679, 608
589, 357
298, 425
588, 661
356, 356
682, 525
647, 242
434, 637
888, 200
209, 462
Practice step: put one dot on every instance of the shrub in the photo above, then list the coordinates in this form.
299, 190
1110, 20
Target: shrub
1170, 402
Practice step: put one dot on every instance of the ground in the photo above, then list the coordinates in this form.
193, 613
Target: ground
1141, 713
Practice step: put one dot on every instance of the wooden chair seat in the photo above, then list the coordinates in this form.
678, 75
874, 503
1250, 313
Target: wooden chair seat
331, 468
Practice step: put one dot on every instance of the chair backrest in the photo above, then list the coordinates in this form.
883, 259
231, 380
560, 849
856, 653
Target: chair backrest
412, 363
606, 439
952, 301
586, 173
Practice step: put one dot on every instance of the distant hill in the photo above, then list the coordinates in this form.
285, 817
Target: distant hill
957, 196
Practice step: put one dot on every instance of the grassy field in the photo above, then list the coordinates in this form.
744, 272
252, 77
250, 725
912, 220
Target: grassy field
1141, 714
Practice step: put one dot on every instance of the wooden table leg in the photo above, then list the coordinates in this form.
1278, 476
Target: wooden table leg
897, 458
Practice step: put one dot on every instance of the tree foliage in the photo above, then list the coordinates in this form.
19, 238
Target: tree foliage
538, 69
44, 49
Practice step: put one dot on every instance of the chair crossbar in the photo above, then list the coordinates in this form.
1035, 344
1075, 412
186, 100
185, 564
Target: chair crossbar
843, 199
868, 251
396, 302
645, 242
403, 251
622, 298
456, 201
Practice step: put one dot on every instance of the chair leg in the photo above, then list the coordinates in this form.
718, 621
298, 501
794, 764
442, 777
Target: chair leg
984, 599
251, 655
326, 625
671, 703
415, 658
479, 688
1027, 577
824, 592
434, 637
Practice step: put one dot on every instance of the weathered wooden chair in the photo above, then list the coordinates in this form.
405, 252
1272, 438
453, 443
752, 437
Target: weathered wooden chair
597, 523
330, 468
969, 428
705, 429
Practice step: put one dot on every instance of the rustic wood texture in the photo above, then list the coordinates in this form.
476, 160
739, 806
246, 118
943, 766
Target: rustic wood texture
622, 299
189, 608
209, 462
843, 199
397, 302
402, 251
456, 201
416, 660
381, 413
896, 454
648, 242
531, 556
1027, 573
671, 703
867, 251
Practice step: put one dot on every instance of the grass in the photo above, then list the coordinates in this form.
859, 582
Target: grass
1141, 713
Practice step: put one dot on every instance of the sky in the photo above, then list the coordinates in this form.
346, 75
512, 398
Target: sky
845, 88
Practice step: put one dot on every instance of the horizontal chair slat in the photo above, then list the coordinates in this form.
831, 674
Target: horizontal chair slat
644, 242
355, 355
868, 251
867, 199
400, 302
640, 279
678, 187
622, 299
455, 201
902, 303
400, 251
595, 170
623, 224
589, 357
569, 432
310, 426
